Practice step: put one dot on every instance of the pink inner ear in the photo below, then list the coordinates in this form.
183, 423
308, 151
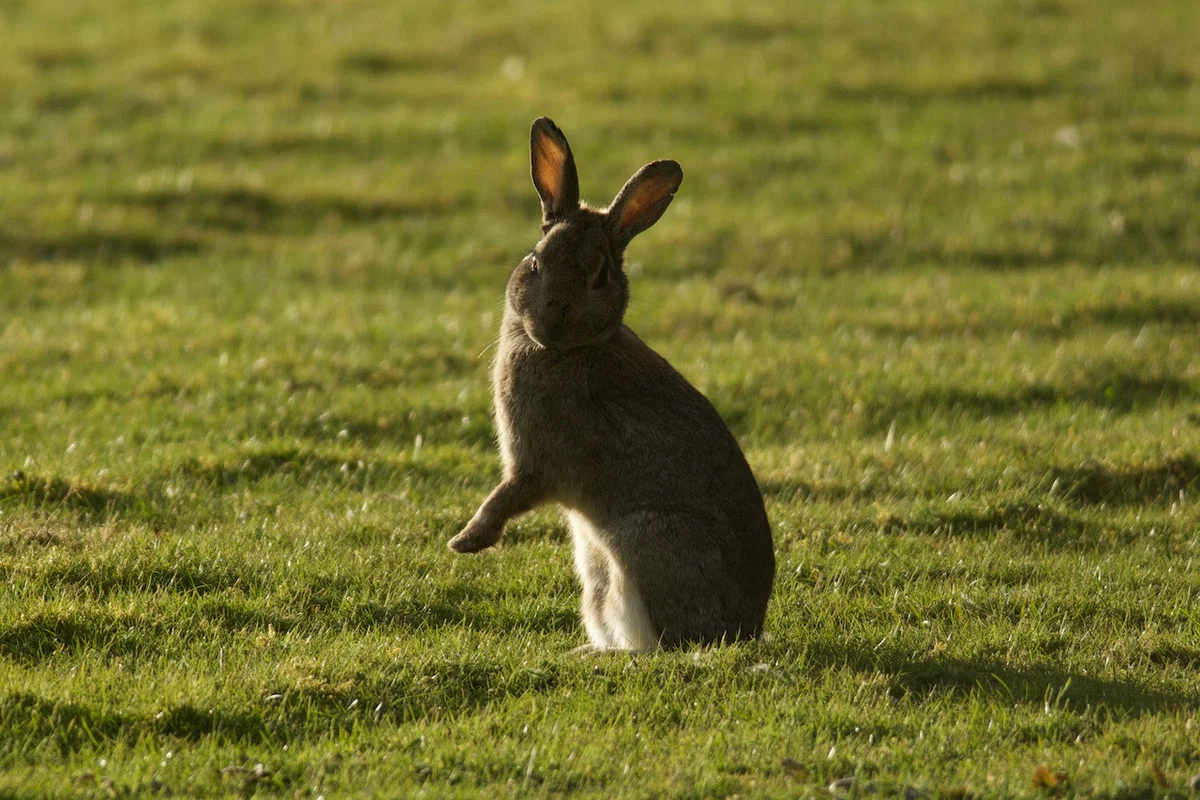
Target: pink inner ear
551, 158
648, 194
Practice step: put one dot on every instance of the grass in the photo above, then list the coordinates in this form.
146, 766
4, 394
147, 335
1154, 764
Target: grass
934, 262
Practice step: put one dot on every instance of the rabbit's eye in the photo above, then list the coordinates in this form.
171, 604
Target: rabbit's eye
533, 266
602, 278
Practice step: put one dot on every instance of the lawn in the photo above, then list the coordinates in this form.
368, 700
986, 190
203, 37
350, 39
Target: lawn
936, 263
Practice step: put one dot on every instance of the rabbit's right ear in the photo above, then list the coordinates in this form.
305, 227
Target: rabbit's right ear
643, 199
553, 169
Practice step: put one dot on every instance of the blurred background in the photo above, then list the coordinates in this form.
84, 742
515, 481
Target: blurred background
387, 138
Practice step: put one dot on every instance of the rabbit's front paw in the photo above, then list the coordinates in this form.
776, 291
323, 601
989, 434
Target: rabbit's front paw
475, 537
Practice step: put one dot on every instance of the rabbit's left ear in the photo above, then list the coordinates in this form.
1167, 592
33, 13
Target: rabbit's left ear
553, 169
643, 199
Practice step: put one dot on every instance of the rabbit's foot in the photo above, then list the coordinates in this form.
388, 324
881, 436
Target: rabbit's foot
475, 537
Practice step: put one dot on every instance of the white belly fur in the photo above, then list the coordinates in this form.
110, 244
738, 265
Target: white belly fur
623, 622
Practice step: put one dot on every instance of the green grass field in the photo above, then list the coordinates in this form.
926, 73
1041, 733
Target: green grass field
935, 263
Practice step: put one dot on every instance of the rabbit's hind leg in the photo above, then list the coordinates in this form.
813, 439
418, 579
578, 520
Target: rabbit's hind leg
626, 613
685, 584
614, 612
591, 562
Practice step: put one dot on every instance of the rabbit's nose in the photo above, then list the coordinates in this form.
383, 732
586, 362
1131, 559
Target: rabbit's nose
555, 331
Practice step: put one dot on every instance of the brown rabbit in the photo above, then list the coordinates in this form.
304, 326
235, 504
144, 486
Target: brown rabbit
672, 542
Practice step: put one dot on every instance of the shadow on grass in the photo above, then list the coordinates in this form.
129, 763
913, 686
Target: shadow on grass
1036, 685
1158, 483
301, 144
331, 603
423, 365
396, 691
1156, 310
304, 467
71, 727
993, 87
432, 423
1117, 390
50, 57
918, 677
95, 247
1029, 523
383, 62
1172, 655
1128, 316
1044, 244
98, 580
134, 637
1032, 524
448, 687
748, 29
321, 605
87, 502
1161, 136
32, 641
354, 471
419, 365
309, 707
241, 209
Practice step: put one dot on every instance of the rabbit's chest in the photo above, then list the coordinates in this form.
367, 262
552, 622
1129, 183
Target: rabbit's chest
539, 412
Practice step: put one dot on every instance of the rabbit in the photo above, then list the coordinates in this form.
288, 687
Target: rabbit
671, 540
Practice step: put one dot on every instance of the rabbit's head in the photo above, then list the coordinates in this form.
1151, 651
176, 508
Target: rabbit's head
571, 289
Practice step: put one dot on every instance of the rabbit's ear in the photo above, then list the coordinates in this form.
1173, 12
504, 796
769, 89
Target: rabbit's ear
553, 169
643, 199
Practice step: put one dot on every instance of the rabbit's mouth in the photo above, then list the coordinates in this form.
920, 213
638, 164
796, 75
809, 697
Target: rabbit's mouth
538, 343
568, 342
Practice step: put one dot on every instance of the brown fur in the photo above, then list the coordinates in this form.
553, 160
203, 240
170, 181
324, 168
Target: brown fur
672, 541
